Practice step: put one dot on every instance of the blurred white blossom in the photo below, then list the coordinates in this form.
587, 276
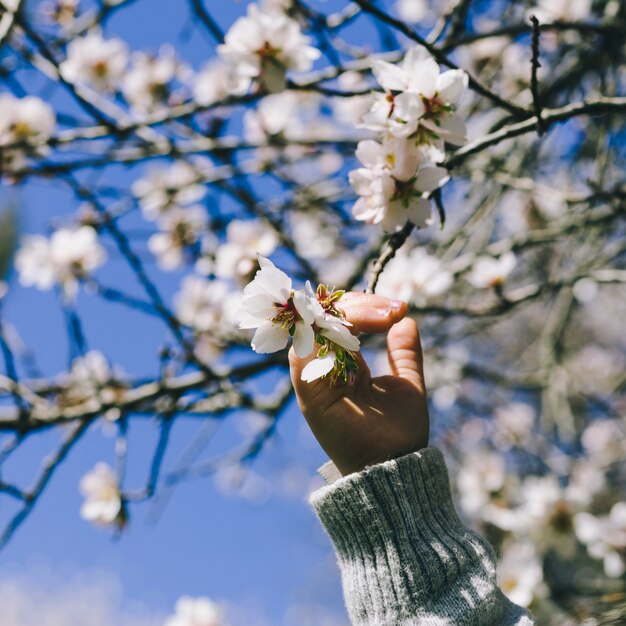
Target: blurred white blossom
605, 537
491, 272
164, 188
180, 229
66, 257
394, 183
236, 258
520, 573
264, 46
98, 62
147, 83
103, 502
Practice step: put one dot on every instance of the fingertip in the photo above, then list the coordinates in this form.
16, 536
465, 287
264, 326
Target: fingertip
399, 309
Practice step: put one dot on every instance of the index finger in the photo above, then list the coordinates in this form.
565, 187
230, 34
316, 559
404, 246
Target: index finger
369, 313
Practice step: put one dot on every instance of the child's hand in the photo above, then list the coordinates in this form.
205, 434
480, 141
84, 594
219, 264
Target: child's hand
375, 419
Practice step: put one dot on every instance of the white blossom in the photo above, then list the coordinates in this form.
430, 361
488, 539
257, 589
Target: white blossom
147, 84
514, 423
264, 46
350, 110
520, 573
27, 120
245, 239
419, 101
546, 512
181, 228
416, 276
336, 331
164, 188
481, 476
61, 12
604, 440
394, 183
67, 256
491, 272
271, 307
103, 501
412, 11
96, 61
561, 10
204, 305
196, 612
605, 538
212, 83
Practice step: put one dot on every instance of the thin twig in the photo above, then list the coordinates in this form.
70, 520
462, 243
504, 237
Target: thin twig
534, 81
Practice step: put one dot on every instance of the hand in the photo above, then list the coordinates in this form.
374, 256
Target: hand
374, 419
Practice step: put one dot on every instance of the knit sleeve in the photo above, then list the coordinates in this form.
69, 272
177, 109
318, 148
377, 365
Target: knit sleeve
405, 557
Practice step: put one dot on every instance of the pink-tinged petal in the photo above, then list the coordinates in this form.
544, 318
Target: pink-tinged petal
389, 76
431, 178
453, 129
451, 85
420, 213
303, 340
318, 368
370, 153
305, 306
269, 338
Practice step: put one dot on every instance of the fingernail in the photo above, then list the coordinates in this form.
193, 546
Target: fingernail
396, 305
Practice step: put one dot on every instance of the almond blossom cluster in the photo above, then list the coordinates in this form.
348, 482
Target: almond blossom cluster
277, 312
23, 121
68, 256
262, 46
103, 503
415, 116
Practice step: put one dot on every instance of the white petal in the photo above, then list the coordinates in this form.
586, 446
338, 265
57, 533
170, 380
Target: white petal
390, 77
370, 153
453, 129
340, 335
414, 58
361, 180
614, 565
254, 310
269, 338
431, 178
303, 339
451, 85
420, 213
305, 306
318, 368
423, 79
271, 281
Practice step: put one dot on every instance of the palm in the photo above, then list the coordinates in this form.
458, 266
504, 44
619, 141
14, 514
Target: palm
376, 418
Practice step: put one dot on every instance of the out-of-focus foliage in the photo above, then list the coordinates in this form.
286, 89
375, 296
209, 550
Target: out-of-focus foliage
488, 145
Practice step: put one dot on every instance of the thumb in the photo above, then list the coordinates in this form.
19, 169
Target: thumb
404, 350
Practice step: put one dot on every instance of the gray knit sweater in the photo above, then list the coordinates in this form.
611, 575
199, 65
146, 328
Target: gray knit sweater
405, 557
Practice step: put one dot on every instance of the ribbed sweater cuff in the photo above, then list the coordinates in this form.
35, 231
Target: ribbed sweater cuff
401, 548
